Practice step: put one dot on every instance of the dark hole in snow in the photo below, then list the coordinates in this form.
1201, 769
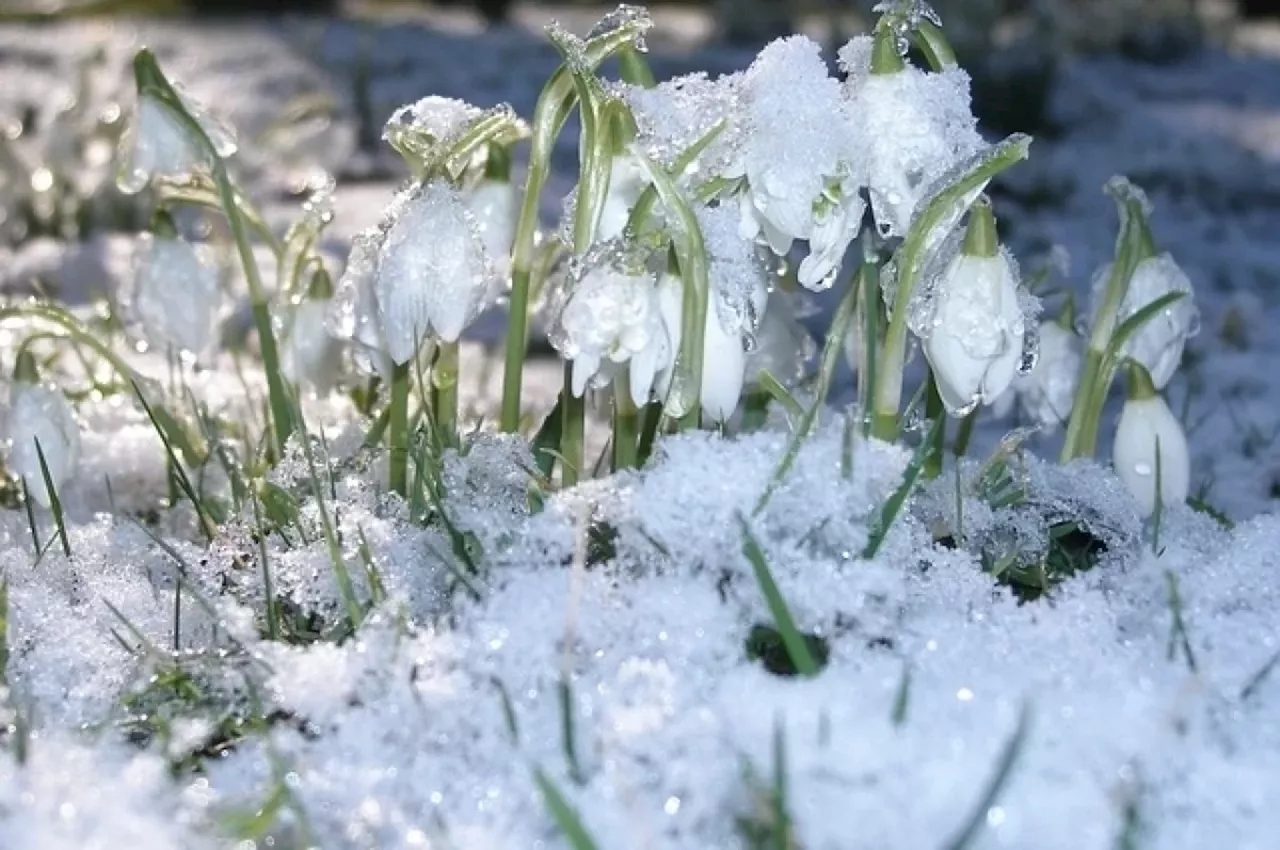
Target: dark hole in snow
764, 644
602, 543
1072, 549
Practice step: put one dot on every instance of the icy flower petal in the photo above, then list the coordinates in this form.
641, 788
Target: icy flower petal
1159, 343
917, 126
724, 356
495, 206
158, 144
309, 354
1144, 423
834, 228
612, 317
783, 346
626, 184
433, 274
41, 413
175, 296
789, 150
353, 313
1047, 392
975, 342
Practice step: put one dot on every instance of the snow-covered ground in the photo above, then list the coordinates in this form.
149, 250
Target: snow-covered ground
1135, 704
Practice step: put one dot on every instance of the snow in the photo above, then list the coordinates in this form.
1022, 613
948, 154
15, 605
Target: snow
635, 590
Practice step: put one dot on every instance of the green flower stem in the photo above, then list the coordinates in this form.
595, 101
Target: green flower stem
573, 434
885, 58
1141, 387
939, 214
1133, 244
444, 392
76, 331
964, 434
554, 105
936, 413
152, 82
626, 424
938, 52
398, 431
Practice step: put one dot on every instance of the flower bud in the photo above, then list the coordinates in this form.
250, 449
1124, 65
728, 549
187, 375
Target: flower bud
160, 144
974, 342
1148, 439
610, 320
1158, 344
176, 296
1048, 391
309, 354
40, 413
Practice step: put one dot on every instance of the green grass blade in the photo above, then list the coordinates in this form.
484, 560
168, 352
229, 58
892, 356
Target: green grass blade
1257, 679
4, 634
268, 586
902, 698
1179, 638
55, 504
893, 505
563, 814
1136, 322
31, 517
968, 833
792, 640
831, 348
781, 394
206, 524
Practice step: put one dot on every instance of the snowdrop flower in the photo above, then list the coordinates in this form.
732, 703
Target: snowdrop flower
916, 125
353, 313
1158, 344
160, 144
974, 341
627, 183
1047, 393
739, 292
782, 347
495, 207
434, 274
800, 183
1149, 434
40, 413
175, 296
611, 320
309, 354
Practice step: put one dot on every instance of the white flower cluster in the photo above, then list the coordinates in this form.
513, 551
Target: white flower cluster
778, 154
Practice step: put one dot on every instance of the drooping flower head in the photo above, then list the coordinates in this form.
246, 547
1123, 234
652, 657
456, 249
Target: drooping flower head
175, 297
160, 143
40, 414
1151, 446
973, 329
915, 125
1158, 344
803, 180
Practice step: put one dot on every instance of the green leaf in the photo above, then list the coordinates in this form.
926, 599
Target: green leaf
889, 511
792, 639
55, 504
1009, 755
563, 814
206, 524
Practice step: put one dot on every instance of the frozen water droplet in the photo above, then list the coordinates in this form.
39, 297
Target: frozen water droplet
625, 16
1142, 468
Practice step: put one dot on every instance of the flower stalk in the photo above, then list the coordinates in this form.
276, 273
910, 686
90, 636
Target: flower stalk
398, 431
151, 82
555, 103
1133, 244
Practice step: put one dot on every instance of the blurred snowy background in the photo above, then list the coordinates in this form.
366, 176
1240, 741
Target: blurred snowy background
1181, 96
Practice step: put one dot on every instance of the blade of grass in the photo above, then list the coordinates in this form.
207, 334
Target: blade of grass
1255, 681
780, 394
27, 503
1178, 635
55, 504
893, 505
268, 589
206, 525
563, 814
995, 785
792, 640
831, 349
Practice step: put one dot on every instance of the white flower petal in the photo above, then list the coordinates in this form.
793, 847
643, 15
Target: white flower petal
40, 413
1144, 424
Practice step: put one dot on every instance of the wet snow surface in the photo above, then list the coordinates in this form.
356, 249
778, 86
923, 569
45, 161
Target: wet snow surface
1150, 722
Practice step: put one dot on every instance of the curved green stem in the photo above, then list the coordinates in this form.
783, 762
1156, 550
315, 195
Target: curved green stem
626, 424
444, 392
555, 103
398, 431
